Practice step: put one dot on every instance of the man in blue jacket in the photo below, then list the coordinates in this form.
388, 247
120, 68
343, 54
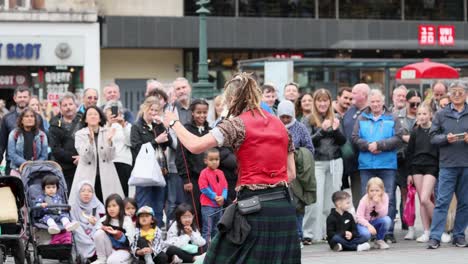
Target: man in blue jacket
377, 134
449, 131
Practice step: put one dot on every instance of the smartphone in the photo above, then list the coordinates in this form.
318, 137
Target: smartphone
460, 136
115, 110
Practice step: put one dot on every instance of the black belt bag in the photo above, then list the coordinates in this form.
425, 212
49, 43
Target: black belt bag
253, 204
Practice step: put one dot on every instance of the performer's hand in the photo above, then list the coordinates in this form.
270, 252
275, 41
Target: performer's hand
188, 187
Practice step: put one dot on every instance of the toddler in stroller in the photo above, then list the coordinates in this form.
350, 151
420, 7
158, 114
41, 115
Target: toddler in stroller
50, 197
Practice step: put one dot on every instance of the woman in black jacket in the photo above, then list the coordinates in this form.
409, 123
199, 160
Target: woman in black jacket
149, 128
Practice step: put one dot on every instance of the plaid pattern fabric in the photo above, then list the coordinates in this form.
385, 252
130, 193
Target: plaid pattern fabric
273, 238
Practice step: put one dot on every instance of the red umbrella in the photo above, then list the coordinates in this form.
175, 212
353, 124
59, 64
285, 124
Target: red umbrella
427, 70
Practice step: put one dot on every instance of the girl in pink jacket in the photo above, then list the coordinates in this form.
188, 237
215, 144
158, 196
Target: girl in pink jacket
372, 213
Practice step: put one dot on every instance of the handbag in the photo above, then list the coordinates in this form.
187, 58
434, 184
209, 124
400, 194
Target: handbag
146, 171
409, 212
249, 206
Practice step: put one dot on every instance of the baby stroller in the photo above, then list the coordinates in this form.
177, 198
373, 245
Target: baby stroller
32, 173
12, 227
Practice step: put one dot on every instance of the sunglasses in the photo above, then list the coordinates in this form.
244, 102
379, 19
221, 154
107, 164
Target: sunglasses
457, 92
414, 105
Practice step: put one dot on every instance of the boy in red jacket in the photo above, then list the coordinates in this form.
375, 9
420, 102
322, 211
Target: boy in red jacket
213, 186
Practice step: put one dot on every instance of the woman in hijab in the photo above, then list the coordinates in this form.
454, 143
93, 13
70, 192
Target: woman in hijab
87, 211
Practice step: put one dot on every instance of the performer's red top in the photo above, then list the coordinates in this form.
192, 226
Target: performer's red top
262, 157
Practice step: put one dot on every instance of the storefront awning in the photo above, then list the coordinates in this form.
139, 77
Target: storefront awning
427, 70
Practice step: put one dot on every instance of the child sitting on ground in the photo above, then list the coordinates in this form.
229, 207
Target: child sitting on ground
50, 197
342, 231
148, 244
372, 213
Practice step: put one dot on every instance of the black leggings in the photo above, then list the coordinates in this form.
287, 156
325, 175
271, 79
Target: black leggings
161, 258
186, 257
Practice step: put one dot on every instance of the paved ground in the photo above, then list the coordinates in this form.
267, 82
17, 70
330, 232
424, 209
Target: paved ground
401, 252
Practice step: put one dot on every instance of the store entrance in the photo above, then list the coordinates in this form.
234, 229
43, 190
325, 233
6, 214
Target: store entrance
7, 95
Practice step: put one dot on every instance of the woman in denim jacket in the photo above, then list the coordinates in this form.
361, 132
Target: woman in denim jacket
27, 141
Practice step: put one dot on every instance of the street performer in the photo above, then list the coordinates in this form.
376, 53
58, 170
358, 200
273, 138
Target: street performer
265, 158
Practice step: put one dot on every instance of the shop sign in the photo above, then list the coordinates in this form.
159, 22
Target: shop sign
431, 35
42, 50
408, 74
20, 50
13, 80
57, 84
446, 35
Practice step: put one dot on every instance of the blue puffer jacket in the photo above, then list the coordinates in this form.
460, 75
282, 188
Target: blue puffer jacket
16, 147
386, 131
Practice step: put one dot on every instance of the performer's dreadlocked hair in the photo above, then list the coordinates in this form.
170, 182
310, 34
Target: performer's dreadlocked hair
242, 94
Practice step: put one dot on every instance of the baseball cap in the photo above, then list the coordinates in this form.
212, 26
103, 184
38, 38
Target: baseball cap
145, 210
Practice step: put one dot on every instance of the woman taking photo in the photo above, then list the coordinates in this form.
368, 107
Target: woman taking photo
94, 143
123, 154
253, 133
26, 142
149, 128
327, 138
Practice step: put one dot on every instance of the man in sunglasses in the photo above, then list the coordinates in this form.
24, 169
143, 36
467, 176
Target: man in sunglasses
449, 132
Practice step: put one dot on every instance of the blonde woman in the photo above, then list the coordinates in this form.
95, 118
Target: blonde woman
149, 128
327, 139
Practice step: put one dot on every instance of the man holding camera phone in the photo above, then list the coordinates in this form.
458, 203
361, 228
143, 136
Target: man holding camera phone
449, 132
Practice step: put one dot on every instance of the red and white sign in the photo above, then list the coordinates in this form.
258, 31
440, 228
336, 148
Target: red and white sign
427, 35
446, 35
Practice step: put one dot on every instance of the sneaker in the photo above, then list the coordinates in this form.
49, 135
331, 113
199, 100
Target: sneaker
380, 244
363, 247
410, 235
338, 247
424, 238
53, 229
390, 238
459, 242
72, 226
433, 244
307, 241
199, 259
176, 260
446, 237
301, 245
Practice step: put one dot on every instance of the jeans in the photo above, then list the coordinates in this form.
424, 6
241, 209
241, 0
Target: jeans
153, 197
388, 177
210, 217
174, 194
381, 225
351, 245
299, 218
451, 180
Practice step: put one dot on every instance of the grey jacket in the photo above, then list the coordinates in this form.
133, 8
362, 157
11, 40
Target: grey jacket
444, 122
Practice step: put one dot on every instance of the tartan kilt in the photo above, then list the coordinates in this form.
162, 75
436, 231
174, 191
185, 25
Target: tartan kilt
273, 237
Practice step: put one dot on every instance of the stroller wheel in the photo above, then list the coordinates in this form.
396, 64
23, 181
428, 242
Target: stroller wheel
2, 255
